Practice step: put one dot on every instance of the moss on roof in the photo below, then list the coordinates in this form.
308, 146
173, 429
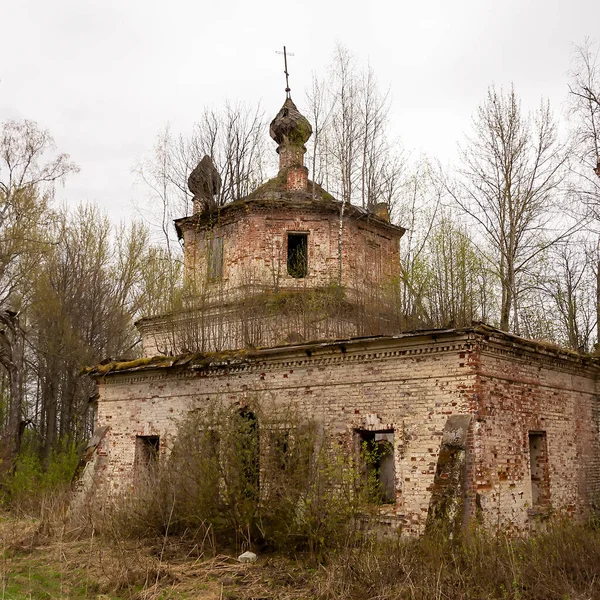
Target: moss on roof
198, 359
201, 360
279, 183
536, 344
273, 195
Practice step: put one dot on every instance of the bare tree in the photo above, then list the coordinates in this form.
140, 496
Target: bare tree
167, 197
459, 289
320, 112
352, 155
90, 288
585, 110
570, 283
509, 184
418, 204
234, 138
585, 107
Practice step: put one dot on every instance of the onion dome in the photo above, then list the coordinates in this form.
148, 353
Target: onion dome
205, 183
290, 127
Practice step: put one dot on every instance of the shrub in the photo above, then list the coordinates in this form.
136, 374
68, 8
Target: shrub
561, 563
33, 484
249, 476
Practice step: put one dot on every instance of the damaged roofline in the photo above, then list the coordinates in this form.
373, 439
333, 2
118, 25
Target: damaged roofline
329, 206
203, 360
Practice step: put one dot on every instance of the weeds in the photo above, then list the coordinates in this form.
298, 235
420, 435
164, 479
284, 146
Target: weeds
247, 477
258, 477
561, 564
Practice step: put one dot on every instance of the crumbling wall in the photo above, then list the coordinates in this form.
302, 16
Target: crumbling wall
523, 393
409, 387
449, 492
222, 313
255, 249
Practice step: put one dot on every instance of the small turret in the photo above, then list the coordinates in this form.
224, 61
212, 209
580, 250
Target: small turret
291, 130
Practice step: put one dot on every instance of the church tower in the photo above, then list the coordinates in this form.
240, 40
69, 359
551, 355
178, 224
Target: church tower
286, 264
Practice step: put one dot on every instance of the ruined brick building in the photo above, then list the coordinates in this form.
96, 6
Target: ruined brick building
507, 426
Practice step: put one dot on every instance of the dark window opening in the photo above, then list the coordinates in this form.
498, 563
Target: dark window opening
215, 258
286, 458
146, 452
377, 457
247, 443
297, 254
538, 460
280, 441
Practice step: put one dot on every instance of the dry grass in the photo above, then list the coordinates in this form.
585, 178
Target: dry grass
563, 564
174, 538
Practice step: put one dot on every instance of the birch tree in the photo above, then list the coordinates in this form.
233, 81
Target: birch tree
585, 108
352, 154
509, 183
584, 95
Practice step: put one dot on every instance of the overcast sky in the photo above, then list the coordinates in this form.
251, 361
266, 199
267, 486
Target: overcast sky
104, 77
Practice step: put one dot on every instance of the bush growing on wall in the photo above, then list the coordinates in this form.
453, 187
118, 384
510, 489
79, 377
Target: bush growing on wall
250, 475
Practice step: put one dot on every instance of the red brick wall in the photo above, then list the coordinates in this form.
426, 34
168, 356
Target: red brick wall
523, 392
255, 260
291, 156
255, 250
297, 179
410, 387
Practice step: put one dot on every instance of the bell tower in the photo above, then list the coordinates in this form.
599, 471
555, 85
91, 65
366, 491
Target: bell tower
264, 270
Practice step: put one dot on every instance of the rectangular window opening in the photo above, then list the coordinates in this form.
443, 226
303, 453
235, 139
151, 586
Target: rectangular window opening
377, 458
297, 254
538, 460
215, 258
146, 452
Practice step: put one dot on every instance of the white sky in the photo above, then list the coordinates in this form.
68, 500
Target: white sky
105, 77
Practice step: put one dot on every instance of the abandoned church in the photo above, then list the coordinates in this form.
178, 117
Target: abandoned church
291, 298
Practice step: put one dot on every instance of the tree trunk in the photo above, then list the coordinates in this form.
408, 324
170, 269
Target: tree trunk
340, 241
598, 300
12, 357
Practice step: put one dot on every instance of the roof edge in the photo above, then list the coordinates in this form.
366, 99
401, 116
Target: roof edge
201, 360
295, 200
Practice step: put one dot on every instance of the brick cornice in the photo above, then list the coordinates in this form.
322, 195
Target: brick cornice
476, 340
306, 356
273, 202
550, 358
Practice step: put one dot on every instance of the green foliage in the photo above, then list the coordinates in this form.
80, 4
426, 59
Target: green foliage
24, 490
372, 454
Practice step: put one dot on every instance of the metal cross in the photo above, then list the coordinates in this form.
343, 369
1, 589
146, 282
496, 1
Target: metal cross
287, 75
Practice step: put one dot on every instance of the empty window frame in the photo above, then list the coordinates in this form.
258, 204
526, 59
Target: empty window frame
538, 461
290, 450
297, 255
377, 457
215, 258
146, 452
373, 266
246, 442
